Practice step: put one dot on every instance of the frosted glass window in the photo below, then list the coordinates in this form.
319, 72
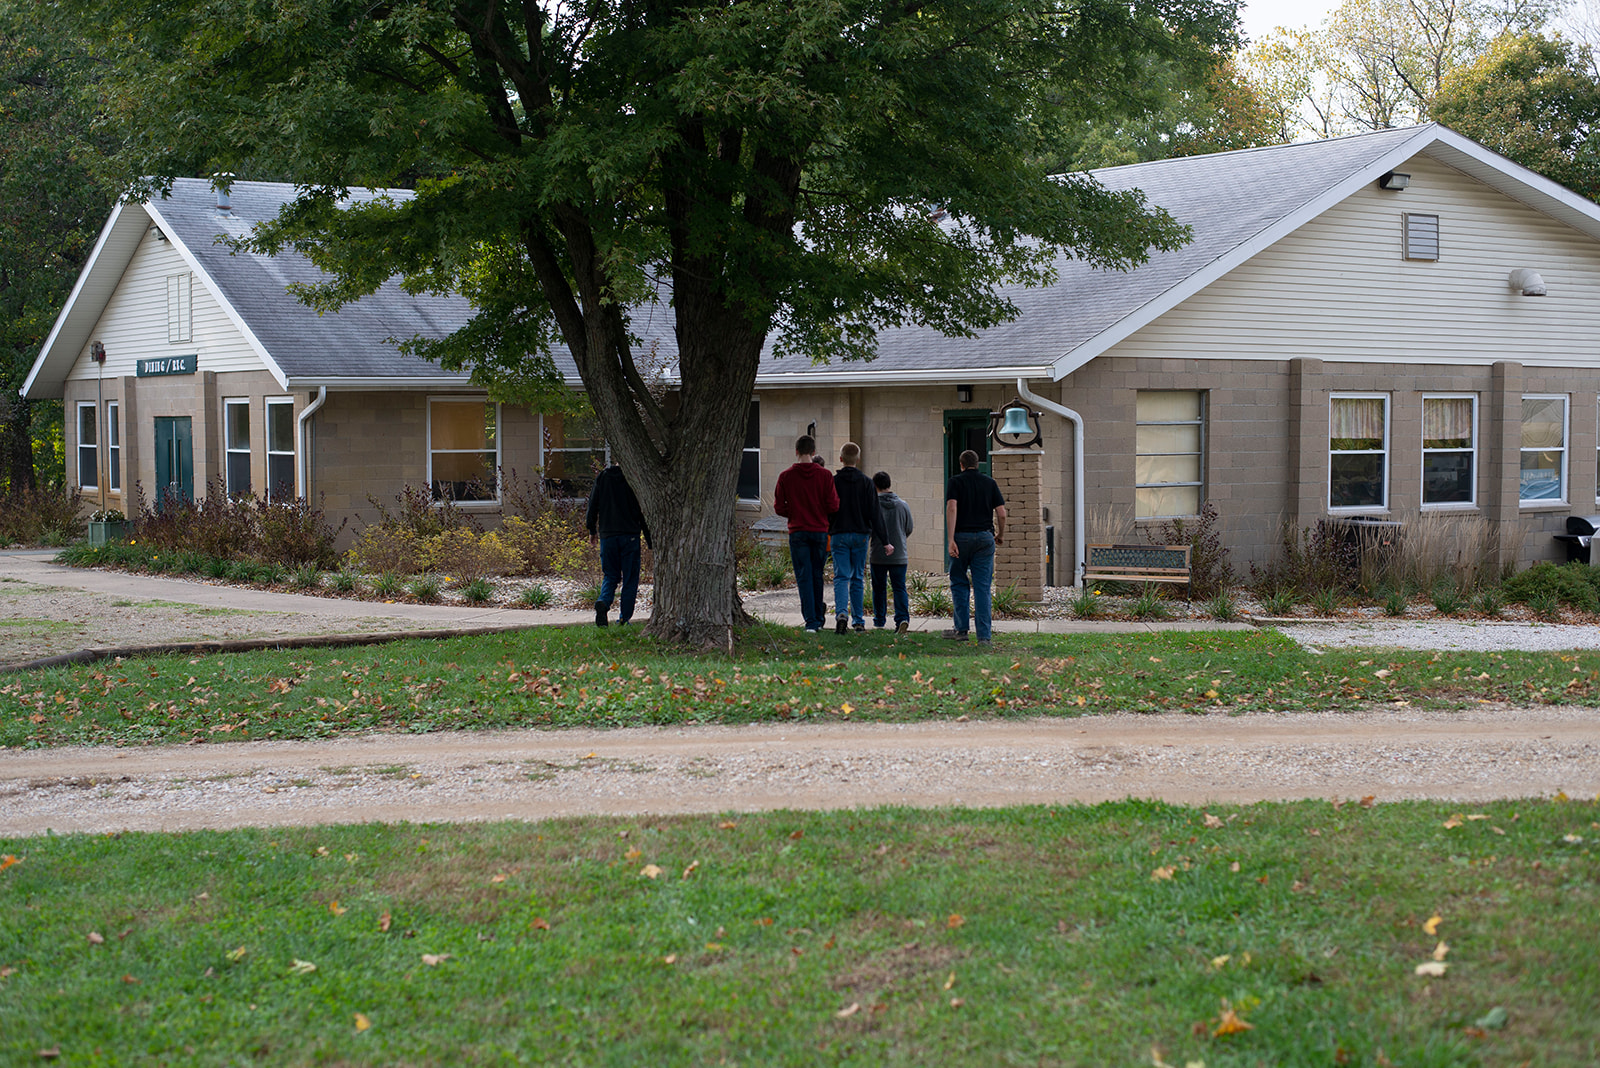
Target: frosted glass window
1168, 465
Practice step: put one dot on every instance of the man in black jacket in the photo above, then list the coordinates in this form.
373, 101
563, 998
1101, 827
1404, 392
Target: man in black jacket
856, 520
615, 521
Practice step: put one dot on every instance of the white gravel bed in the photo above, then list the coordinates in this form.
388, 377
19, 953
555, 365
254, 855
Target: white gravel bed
1479, 637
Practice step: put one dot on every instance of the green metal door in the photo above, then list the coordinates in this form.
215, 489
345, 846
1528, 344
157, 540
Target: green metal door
174, 460
964, 428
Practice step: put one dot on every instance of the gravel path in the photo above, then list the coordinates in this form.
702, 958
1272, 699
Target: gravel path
1390, 754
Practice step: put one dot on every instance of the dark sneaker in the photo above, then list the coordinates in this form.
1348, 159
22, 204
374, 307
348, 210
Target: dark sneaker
813, 630
985, 641
954, 635
599, 614
902, 626
859, 628
841, 625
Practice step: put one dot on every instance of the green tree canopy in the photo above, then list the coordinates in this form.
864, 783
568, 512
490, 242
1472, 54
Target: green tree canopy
1534, 99
763, 167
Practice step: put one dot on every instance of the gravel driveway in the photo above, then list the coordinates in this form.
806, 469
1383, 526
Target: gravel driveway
1390, 754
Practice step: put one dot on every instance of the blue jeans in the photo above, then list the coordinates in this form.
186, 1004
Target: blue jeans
619, 565
849, 568
896, 575
972, 572
808, 551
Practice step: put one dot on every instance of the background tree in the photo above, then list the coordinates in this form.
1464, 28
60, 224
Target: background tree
52, 205
761, 167
1534, 99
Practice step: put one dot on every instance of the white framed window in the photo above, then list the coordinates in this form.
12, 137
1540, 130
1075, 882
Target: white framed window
1421, 237
1358, 452
1543, 478
1169, 461
113, 447
88, 447
575, 451
280, 449
463, 449
1450, 450
236, 444
750, 460
180, 307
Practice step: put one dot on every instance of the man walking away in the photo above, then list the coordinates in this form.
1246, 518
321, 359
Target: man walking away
891, 565
805, 496
858, 517
975, 516
615, 521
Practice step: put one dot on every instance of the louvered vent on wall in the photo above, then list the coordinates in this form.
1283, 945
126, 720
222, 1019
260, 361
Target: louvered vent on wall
1421, 237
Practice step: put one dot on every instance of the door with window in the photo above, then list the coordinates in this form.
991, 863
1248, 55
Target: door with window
174, 460
964, 428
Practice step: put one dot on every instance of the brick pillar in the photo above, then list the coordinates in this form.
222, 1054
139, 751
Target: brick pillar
1020, 560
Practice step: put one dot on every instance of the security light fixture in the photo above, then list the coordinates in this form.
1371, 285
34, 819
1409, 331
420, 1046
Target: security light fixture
1016, 426
811, 430
97, 352
1527, 282
964, 394
1394, 181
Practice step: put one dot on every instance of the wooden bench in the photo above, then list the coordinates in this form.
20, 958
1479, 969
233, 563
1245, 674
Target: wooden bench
1137, 563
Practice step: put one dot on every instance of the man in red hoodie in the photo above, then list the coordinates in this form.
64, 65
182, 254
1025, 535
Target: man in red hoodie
806, 497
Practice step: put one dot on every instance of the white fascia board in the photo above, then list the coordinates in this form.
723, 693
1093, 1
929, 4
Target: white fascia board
1151, 311
395, 383
1515, 181
227, 307
868, 377
118, 240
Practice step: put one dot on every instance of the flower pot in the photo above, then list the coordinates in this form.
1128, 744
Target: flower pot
103, 531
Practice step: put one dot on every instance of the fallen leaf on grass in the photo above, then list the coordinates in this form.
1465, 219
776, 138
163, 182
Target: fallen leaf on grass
336, 908
237, 955
1212, 821
1440, 951
670, 958
50, 1054
1493, 1020
1218, 962
8, 860
1163, 873
1230, 1024
7, 971
1432, 926
301, 967
130, 980
362, 1023
499, 877
1432, 967
383, 923
955, 920
539, 923
950, 982
726, 825
849, 1010
96, 938
956, 1003
650, 871
433, 960
1453, 822
693, 864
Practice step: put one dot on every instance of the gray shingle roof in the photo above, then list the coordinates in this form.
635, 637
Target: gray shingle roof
1226, 198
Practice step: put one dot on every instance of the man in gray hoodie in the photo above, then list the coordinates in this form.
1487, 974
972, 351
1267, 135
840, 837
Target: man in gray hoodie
889, 562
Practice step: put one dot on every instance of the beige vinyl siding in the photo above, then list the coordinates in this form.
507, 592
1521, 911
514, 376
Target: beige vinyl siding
134, 323
1339, 289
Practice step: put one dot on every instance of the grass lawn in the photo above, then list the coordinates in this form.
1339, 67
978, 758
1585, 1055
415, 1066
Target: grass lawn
584, 676
1122, 934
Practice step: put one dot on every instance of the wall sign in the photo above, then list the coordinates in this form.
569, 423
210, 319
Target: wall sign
167, 365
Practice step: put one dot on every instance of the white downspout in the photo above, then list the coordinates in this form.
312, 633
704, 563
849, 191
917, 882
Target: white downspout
304, 430
1078, 538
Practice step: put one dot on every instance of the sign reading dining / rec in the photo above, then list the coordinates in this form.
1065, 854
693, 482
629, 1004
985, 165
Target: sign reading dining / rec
167, 365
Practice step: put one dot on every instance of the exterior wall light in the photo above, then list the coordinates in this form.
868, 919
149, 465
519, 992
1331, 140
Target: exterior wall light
964, 394
1394, 181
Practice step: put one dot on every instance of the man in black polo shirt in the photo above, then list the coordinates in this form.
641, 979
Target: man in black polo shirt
975, 516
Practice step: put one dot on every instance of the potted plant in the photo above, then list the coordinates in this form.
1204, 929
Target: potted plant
107, 525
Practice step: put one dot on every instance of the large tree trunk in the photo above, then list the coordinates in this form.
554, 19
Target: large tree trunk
16, 446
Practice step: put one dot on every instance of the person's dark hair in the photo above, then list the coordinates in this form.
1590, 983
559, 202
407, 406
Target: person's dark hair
819, 461
969, 460
881, 480
805, 445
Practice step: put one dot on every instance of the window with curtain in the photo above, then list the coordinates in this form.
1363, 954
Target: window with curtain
1544, 449
113, 448
1358, 451
88, 447
575, 452
1449, 450
463, 450
280, 449
1169, 463
236, 435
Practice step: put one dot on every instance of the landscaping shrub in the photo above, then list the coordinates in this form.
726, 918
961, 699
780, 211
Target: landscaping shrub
477, 591
932, 601
1574, 584
292, 533
535, 596
1326, 602
40, 516
1149, 606
467, 556
1087, 604
1222, 607
215, 524
554, 543
1008, 601
307, 577
388, 584
424, 588
1446, 597
379, 548
1490, 601
345, 581
1309, 559
1279, 602
416, 510
1209, 570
